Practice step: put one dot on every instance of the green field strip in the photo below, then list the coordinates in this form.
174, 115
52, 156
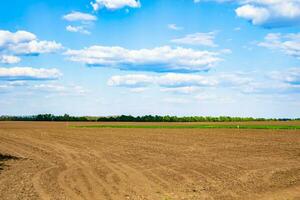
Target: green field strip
267, 127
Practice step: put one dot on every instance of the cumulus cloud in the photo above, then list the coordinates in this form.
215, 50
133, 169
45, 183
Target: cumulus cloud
276, 82
258, 15
85, 20
77, 29
159, 59
270, 13
289, 43
184, 80
267, 13
28, 73
35, 47
115, 4
170, 80
79, 16
47, 89
187, 82
234, 79
263, 83
9, 59
174, 27
8, 38
131, 80
25, 43
270, 87
204, 39
291, 76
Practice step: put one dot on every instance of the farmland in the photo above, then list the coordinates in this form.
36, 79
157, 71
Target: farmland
149, 161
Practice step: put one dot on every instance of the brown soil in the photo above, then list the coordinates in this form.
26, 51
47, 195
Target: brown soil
57, 162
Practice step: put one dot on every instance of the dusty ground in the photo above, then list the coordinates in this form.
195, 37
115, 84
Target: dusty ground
56, 162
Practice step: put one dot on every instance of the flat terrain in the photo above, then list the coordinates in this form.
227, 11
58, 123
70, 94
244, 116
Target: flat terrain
54, 161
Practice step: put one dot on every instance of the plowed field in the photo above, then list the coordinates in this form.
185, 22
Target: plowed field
54, 161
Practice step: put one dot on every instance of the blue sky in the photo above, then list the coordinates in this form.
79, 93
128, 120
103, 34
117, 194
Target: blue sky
165, 57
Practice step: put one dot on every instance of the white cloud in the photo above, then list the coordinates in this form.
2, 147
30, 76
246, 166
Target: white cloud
9, 38
174, 27
25, 43
291, 76
5, 88
234, 79
205, 39
159, 59
85, 20
28, 73
267, 13
131, 80
183, 80
10, 86
170, 80
270, 87
277, 82
185, 83
289, 43
77, 29
79, 16
115, 4
258, 15
35, 47
9, 59
270, 13
47, 89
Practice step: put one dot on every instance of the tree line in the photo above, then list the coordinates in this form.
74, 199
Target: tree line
43, 117
129, 118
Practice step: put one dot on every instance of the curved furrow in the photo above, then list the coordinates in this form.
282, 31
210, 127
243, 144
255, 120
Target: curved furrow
73, 177
83, 179
139, 182
128, 178
99, 189
66, 185
43, 194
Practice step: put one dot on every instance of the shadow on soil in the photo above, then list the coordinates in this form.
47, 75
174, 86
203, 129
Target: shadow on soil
5, 157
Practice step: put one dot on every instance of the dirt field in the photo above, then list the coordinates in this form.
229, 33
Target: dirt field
57, 162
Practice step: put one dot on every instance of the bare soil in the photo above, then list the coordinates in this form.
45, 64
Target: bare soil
58, 162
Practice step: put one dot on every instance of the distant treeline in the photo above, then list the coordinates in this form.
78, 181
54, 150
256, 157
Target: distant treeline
156, 118
43, 117
129, 118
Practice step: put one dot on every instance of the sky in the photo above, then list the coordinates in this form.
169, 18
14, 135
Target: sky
158, 57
